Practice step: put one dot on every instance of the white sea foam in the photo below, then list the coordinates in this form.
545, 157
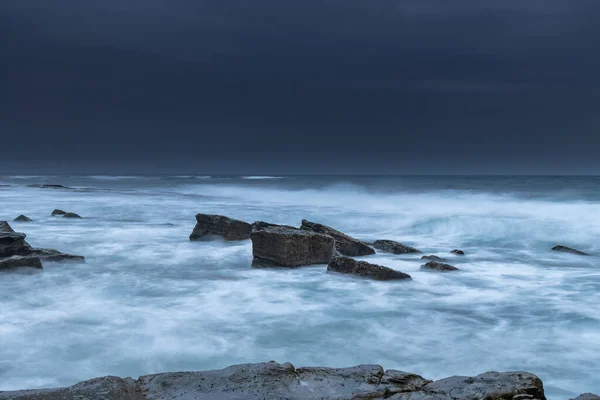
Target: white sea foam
149, 300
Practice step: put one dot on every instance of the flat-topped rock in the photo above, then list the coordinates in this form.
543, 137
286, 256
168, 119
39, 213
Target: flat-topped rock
284, 247
390, 246
438, 266
565, 249
20, 262
208, 225
350, 266
23, 218
344, 244
275, 381
433, 258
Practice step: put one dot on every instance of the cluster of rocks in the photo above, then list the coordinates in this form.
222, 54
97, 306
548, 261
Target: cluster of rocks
284, 381
15, 252
64, 214
312, 243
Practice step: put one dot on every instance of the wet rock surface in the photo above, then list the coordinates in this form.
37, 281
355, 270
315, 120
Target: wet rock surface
391, 246
284, 247
58, 212
438, 266
344, 244
20, 262
350, 266
23, 218
283, 381
71, 215
433, 258
208, 226
566, 249
458, 252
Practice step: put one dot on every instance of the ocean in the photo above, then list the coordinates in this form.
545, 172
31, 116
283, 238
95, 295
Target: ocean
148, 300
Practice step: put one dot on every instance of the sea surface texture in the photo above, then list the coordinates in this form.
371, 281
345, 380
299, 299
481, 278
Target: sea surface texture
148, 300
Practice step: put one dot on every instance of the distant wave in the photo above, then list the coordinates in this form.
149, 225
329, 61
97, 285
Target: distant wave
262, 177
115, 177
29, 176
192, 176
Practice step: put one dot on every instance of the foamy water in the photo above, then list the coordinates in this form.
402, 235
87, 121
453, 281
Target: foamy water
148, 300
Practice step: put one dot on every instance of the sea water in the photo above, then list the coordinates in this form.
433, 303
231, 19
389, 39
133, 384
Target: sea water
148, 300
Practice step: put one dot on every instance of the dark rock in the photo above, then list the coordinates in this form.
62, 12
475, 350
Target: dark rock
391, 246
587, 396
71, 215
219, 225
285, 247
565, 249
260, 225
13, 244
458, 252
344, 244
20, 261
23, 218
347, 265
433, 258
37, 185
58, 212
438, 266
275, 381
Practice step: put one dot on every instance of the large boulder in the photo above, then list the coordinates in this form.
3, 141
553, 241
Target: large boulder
13, 244
565, 249
208, 225
344, 244
347, 265
275, 381
19, 262
284, 247
438, 266
23, 218
391, 246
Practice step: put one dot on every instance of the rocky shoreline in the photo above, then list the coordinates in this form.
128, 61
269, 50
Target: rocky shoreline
283, 381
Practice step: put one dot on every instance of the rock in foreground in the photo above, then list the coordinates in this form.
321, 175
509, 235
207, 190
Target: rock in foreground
23, 218
275, 381
344, 244
20, 262
565, 249
438, 266
284, 247
347, 265
391, 246
208, 225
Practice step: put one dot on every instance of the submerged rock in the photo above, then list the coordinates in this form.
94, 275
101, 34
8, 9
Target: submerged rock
347, 265
433, 258
58, 212
218, 225
19, 262
285, 247
458, 252
23, 218
565, 249
13, 244
344, 244
438, 266
283, 381
391, 246
71, 215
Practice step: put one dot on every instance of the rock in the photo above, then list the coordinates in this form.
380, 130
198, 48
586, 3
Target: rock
344, 244
219, 225
391, 246
433, 258
587, 396
20, 261
37, 185
565, 249
71, 215
260, 225
438, 266
458, 252
275, 381
13, 244
285, 247
23, 218
347, 265
58, 212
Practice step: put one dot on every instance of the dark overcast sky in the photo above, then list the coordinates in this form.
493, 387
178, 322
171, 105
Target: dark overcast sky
327, 86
